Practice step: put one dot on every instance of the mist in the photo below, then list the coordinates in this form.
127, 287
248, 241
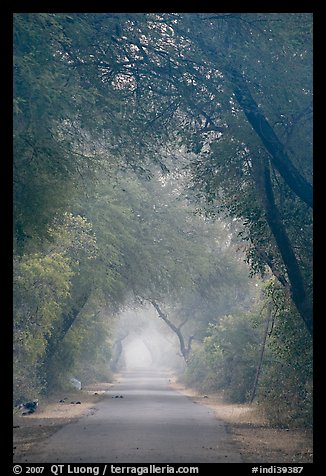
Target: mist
136, 354
143, 341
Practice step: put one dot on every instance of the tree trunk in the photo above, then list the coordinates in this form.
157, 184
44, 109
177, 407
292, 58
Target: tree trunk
298, 290
57, 337
184, 349
298, 184
261, 354
117, 352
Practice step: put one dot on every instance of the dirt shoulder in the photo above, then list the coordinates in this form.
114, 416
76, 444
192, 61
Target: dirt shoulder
51, 415
257, 441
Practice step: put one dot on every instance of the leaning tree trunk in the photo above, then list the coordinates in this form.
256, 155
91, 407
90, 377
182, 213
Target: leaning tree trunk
184, 349
279, 158
297, 287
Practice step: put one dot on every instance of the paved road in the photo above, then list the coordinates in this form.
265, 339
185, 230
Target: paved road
152, 423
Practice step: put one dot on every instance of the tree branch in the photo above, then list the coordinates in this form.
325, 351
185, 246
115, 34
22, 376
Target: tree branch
184, 350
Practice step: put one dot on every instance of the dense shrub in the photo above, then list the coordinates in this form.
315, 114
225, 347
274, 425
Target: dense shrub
285, 388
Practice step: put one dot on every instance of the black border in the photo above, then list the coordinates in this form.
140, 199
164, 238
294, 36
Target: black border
6, 190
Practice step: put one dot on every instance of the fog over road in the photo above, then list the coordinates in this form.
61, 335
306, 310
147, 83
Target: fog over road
152, 423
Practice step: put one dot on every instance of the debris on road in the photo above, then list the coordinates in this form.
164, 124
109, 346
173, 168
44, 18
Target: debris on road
29, 407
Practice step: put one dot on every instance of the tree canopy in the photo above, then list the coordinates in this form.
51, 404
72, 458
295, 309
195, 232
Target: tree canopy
136, 84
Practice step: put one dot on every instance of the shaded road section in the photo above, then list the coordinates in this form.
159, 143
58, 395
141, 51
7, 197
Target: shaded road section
152, 423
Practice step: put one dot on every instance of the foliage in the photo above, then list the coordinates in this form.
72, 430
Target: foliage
285, 390
199, 374
84, 352
232, 347
41, 290
43, 284
43, 170
228, 358
235, 87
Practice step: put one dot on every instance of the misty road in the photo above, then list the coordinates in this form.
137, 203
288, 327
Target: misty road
152, 423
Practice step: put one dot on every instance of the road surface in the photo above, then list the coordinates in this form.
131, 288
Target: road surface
152, 423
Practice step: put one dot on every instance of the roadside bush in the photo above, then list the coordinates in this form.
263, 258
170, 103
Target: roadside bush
232, 350
285, 398
228, 358
198, 373
41, 289
88, 372
285, 388
24, 388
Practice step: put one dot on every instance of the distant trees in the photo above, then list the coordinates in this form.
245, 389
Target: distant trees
166, 255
